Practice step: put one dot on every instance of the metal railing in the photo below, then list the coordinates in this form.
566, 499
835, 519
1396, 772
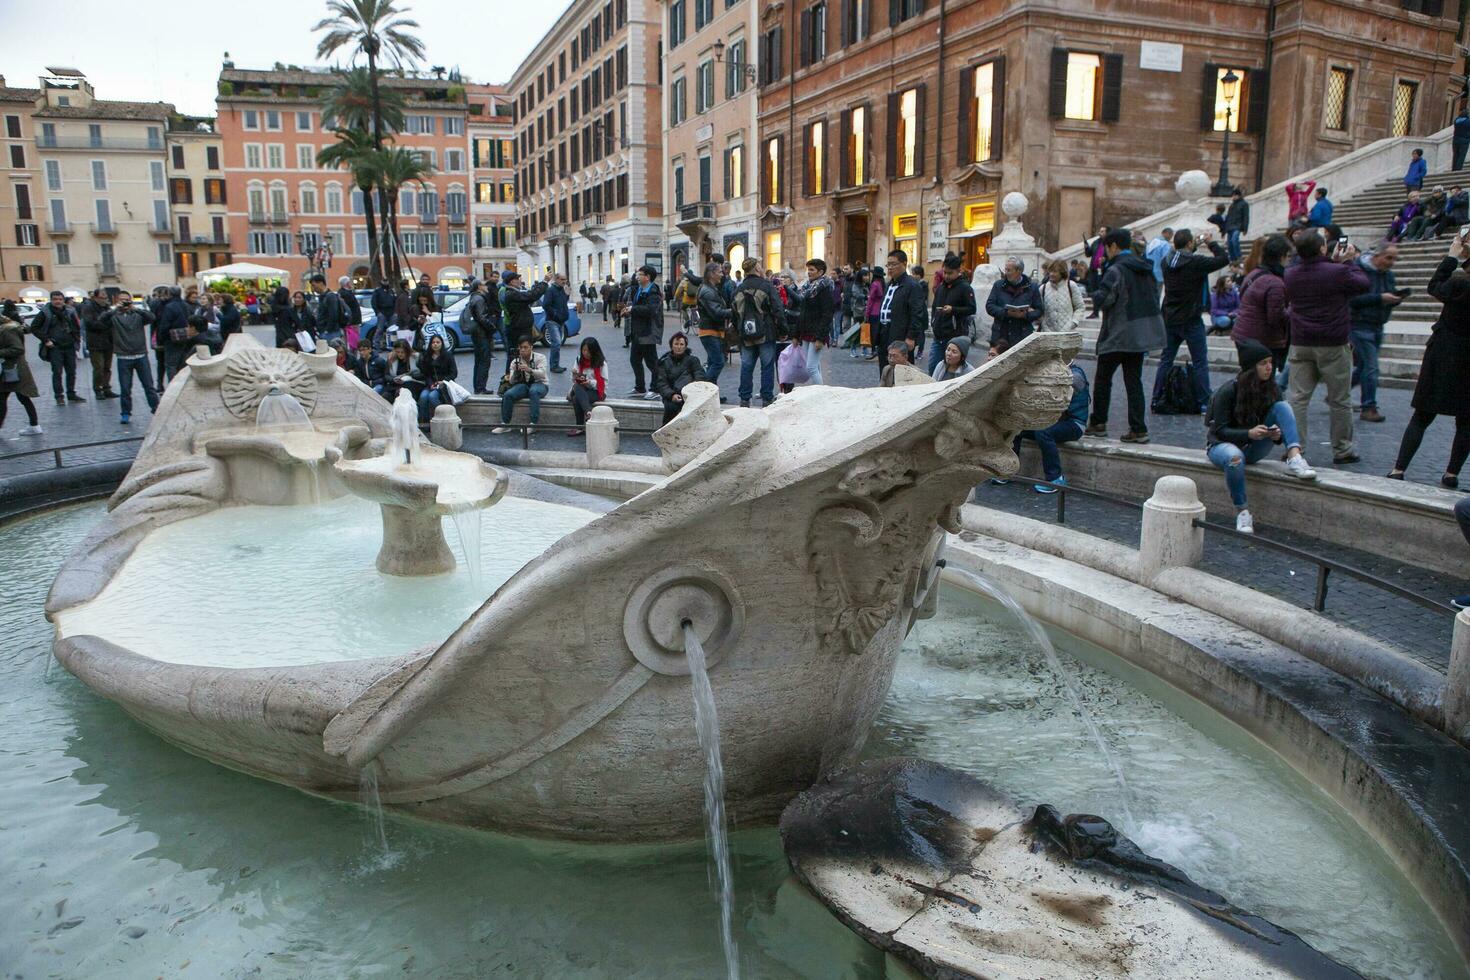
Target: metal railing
56, 451
1325, 566
97, 143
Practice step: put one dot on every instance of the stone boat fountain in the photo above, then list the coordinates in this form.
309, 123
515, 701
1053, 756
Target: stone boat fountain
797, 544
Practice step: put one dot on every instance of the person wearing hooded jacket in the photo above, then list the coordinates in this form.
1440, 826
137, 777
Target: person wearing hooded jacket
1185, 274
1128, 298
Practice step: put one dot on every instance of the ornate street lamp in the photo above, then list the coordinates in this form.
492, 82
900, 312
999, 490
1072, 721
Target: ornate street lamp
1228, 85
744, 67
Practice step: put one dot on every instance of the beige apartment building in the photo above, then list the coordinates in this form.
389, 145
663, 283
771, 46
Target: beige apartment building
105, 186
25, 259
710, 108
492, 178
589, 143
197, 199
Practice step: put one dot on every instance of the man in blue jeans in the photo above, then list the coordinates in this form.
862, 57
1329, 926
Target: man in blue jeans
1066, 429
1237, 223
1185, 274
1370, 311
758, 312
554, 304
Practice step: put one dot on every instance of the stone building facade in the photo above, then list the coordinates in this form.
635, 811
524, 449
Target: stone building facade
107, 212
26, 259
589, 143
709, 109
492, 178
904, 123
284, 209
197, 197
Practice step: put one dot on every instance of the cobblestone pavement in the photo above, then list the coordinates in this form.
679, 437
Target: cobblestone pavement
94, 421
1418, 632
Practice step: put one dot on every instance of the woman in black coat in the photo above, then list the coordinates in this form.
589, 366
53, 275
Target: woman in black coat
280, 303
436, 366
643, 305
296, 317
1444, 377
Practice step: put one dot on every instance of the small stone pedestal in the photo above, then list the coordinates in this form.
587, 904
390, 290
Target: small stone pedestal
602, 434
444, 428
413, 543
1169, 538
1457, 682
1014, 241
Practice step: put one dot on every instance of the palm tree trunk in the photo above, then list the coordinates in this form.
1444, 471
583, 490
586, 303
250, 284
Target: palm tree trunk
374, 270
391, 247
377, 99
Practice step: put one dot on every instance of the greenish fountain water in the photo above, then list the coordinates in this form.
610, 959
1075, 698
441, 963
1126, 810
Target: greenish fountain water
124, 857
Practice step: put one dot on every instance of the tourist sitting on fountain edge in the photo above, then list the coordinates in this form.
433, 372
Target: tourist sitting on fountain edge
525, 379
436, 366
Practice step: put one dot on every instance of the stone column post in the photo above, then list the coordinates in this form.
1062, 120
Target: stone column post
1457, 681
602, 434
1169, 538
444, 428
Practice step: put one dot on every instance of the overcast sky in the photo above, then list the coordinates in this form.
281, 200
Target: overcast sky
156, 51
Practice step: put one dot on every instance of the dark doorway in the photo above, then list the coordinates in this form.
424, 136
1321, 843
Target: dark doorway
856, 244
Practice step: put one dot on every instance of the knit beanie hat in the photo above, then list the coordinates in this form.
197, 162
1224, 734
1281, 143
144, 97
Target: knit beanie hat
1252, 352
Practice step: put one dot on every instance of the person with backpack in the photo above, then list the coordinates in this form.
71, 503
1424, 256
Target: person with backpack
687, 295
1131, 327
331, 318
855, 297
1246, 418
644, 310
954, 305
609, 293
554, 305
756, 309
1185, 274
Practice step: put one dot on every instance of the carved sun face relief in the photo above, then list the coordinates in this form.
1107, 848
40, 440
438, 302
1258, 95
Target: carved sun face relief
254, 371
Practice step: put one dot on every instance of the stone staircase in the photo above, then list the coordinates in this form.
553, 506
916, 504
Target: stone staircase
1364, 217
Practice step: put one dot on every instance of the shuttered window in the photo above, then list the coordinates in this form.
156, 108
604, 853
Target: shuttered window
905, 142
1085, 85
982, 117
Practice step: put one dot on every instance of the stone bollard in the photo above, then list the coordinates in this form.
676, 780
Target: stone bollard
1457, 682
1169, 538
602, 434
444, 428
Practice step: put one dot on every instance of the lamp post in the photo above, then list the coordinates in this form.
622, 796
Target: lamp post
1228, 84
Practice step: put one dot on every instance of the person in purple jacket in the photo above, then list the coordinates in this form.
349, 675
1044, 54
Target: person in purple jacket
1318, 288
1224, 303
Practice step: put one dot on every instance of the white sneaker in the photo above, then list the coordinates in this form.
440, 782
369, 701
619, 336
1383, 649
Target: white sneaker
499, 430
32, 430
1297, 467
1244, 524
652, 396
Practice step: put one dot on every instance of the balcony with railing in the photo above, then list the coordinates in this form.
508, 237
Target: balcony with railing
160, 228
594, 226
429, 218
559, 235
108, 227
184, 241
59, 228
45, 142
268, 218
455, 217
108, 270
697, 218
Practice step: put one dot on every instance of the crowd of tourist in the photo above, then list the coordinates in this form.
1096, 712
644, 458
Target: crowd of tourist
1304, 308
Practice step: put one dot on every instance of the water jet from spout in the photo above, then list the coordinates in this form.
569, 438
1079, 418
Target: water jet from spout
707, 726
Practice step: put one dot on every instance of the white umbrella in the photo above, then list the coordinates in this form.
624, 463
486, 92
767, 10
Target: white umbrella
243, 270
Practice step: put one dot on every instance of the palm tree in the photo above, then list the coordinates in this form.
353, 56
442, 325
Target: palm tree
395, 169
373, 27
354, 150
349, 103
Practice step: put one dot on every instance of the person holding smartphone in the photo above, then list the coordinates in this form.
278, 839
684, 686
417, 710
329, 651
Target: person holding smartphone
1245, 420
1370, 313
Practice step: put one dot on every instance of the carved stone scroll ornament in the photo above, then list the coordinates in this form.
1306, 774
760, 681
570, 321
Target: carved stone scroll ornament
253, 371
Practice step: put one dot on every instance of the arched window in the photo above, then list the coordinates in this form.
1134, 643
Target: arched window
306, 197
332, 203
255, 197
278, 198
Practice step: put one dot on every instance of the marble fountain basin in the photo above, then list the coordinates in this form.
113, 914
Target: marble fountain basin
800, 543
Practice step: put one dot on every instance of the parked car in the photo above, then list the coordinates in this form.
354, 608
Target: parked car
452, 303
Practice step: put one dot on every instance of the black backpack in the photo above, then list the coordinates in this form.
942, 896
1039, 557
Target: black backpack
1178, 397
752, 308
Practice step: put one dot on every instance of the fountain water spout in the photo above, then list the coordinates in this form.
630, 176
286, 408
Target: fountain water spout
403, 440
